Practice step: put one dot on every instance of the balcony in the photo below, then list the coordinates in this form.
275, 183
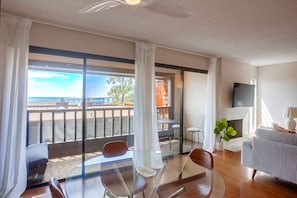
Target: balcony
62, 130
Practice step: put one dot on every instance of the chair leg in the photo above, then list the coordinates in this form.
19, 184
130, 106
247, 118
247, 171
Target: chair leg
254, 173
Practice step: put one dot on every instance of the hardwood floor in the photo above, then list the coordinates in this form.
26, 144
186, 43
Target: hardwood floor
237, 179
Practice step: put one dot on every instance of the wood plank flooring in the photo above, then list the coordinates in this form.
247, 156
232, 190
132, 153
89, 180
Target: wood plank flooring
239, 183
237, 179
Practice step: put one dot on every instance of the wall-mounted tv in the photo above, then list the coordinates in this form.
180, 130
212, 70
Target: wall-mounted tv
243, 95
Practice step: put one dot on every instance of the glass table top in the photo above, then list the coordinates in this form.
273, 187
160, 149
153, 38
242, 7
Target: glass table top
143, 172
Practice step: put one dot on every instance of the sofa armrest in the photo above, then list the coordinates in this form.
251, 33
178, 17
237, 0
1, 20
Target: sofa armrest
246, 153
275, 158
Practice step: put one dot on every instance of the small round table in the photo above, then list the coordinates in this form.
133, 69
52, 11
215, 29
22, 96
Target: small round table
170, 122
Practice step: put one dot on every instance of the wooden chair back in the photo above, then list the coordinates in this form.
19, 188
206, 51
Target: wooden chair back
114, 148
202, 157
56, 188
129, 184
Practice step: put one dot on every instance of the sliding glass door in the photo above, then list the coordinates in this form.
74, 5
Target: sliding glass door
167, 87
77, 102
194, 96
180, 99
54, 115
109, 94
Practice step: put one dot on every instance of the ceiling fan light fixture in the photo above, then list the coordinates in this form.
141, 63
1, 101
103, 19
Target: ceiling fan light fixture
133, 2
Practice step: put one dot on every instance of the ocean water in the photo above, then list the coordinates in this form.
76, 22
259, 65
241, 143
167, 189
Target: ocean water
70, 100
57, 99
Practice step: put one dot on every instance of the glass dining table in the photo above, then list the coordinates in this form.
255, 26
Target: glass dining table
176, 176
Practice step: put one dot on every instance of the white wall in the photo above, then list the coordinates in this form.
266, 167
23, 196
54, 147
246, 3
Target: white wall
48, 36
229, 72
194, 97
277, 89
65, 39
171, 57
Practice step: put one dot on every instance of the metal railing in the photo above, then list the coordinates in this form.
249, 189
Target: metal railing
65, 125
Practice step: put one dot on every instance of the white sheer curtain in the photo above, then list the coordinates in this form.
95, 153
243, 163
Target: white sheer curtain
145, 113
210, 118
14, 46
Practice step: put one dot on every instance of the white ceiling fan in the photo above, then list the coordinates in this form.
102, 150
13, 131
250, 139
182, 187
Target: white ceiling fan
164, 7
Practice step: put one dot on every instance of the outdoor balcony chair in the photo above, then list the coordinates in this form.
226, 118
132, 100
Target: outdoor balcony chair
199, 128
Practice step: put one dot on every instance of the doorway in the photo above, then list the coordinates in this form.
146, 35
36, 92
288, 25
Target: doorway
183, 94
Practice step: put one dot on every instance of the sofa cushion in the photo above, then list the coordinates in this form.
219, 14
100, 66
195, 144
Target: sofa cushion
269, 134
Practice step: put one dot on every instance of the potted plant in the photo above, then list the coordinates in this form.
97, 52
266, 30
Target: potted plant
223, 132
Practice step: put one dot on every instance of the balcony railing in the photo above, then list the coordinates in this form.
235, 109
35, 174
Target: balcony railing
65, 125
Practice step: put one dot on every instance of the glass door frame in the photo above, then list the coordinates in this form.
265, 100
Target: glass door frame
84, 57
181, 94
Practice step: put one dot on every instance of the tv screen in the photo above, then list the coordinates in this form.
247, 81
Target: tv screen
243, 95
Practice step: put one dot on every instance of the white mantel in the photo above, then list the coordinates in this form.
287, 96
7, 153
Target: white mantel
237, 113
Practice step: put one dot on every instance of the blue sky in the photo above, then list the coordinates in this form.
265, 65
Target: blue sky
59, 84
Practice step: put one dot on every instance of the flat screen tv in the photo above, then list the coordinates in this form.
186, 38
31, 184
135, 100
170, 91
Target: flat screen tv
243, 95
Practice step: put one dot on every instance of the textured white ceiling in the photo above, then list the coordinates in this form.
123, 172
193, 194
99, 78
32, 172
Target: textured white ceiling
257, 32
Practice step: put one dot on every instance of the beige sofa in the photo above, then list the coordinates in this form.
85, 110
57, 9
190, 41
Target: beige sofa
272, 152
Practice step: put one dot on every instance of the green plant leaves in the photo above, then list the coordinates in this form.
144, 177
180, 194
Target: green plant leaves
226, 138
231, 131
221, 124
223, 131
224, 122
217, 131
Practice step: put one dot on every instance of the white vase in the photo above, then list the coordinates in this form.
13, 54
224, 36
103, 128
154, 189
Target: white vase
219, 146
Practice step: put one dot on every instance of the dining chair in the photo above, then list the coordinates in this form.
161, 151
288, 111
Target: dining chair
114, 148
205, 159
185, 187
131, 184
56, 188
202, 157
199, 128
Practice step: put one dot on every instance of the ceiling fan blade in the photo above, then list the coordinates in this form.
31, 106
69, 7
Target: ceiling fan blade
158, 6
101, 5
167, 8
